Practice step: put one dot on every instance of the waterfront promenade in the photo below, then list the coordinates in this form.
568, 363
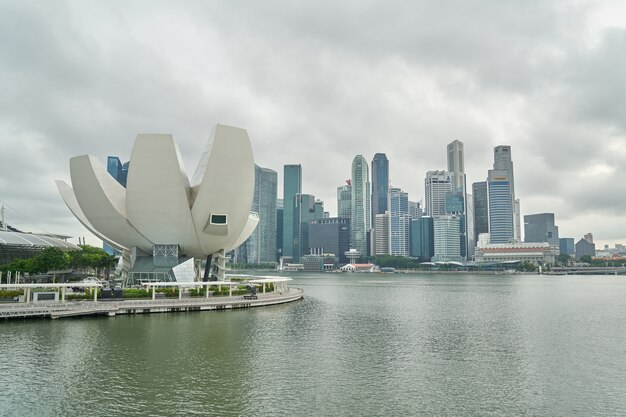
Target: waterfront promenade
57, 310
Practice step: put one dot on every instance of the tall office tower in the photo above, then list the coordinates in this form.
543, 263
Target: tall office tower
501, 192
399, 222
117, 170
306, 209
262, 242
415, 209
446, 236
292, 186
456, 165
380, 184
455, 204
541, 228
517, 228
469, 218
330, 236
360, 218
279, 228
481, 208
437, 185
382, 229
422, 238
344, 200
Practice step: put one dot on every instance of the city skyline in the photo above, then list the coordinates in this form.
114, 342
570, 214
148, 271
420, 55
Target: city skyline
545, 80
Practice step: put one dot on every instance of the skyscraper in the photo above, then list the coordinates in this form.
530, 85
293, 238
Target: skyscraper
306, 209
382, 227
117, 170
279, 228
361, 207
481, 208
330, 235
399, 222
380, 184
262, 242
456, 165
415, 209
541, 228
437, 185
292, 186
446, 236
501, 192
422, 238
344, 200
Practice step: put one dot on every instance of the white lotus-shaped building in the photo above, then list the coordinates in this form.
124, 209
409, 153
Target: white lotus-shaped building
160, 206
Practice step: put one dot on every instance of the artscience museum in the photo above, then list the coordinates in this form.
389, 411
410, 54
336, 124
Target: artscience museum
164, 224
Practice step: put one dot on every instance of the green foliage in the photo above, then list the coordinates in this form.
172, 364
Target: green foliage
586, 259
10, 293
563, 259
398, 262
135, 293
526, 267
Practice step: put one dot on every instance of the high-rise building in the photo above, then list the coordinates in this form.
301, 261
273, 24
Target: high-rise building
382, 234
567, 246
279, 228
446, 237
262, 242
541, 228
292, 186
117, 170
398, 203
501, 192
415, 209
344, 200
422, 238
481, 208
330, 236
380, 184
306, 209
361, 207
455, 204
456, 165
437, 185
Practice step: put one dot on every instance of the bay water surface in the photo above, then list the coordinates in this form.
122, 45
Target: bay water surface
357, 345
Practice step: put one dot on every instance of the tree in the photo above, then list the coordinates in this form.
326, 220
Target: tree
586, 259
563, 259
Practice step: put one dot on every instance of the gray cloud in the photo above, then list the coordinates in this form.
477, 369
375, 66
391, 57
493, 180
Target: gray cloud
317, 83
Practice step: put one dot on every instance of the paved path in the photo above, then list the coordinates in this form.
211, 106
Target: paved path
111, 308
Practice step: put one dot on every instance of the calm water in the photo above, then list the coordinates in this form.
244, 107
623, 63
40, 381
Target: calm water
357, 345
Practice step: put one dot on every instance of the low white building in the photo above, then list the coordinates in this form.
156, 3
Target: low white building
534, 252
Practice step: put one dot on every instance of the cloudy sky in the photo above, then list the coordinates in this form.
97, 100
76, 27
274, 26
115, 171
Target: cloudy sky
317, 83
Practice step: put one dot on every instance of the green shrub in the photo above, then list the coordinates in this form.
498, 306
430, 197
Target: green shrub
135, 293
10, 293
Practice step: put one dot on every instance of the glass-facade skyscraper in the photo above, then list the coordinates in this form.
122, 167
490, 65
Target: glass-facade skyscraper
292, 186
501, 195
380, 184
117, 170
344, 201
306, 209
262, 242
399, 222
360, 221
541, 228
437, 185
422, 238
481, 208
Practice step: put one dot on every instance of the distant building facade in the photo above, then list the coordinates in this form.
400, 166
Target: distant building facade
380, 184
330, 236
261, 245
306, 210
538, 253
585, 248
541, 228
446, 236
360, 220
422, 238
292, 186
437, 185
344, 200
567, 246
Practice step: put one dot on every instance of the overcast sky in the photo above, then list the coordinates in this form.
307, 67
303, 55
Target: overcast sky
317, 83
